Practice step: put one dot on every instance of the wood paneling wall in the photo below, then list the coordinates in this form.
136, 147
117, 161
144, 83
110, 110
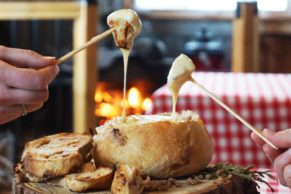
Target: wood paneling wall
275, 53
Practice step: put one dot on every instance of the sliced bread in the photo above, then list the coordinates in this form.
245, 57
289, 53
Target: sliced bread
56, 155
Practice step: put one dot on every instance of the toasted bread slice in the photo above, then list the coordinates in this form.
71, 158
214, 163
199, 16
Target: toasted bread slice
56, 155
21, 176
88, 167
98, 179
127, 181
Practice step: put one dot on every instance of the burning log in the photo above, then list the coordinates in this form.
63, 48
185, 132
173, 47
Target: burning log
109, 101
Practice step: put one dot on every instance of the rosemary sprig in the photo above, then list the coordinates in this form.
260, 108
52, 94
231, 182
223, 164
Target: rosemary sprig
245, 172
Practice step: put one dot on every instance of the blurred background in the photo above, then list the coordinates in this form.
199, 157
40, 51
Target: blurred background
210, 32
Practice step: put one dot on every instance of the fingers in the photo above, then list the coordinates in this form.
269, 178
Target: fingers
11, 96
10, 113
26, 78
12, 100
287, 175
25, 58
280, 163
259, 142
281, 159
270, 152
282, 138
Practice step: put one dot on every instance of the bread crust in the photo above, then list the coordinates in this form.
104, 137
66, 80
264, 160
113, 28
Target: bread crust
55, 155
97, 179
127, 180
160, 148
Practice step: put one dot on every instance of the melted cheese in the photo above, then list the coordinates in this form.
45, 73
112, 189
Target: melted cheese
146, 119
180, 73
125, 54
128, 26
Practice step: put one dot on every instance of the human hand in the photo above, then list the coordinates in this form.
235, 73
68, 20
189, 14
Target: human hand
281, 159
24, 79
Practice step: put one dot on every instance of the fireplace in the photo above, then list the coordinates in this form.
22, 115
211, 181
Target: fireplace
144, 75
109, 101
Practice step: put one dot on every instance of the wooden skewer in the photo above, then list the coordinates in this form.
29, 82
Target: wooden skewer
87, 44
248, 125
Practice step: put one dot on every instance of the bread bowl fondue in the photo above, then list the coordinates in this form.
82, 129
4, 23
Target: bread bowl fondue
128, 26
179, 73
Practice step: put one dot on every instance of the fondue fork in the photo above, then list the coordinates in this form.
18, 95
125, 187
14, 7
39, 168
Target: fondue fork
181, 72
87, 44
248, 125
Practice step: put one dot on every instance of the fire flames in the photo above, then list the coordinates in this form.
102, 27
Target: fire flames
109, 101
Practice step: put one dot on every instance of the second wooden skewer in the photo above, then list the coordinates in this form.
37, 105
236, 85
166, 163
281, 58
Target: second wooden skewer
87, 44
248, 125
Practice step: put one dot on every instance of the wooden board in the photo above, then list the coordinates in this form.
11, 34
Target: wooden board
218, 186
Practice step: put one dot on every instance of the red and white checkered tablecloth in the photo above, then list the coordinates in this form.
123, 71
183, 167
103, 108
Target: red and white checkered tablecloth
278, 188
264, 100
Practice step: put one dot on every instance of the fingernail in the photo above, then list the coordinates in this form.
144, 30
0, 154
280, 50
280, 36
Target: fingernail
58, 69
50, 57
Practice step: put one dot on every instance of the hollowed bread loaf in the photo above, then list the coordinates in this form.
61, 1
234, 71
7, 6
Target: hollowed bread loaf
159, 146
